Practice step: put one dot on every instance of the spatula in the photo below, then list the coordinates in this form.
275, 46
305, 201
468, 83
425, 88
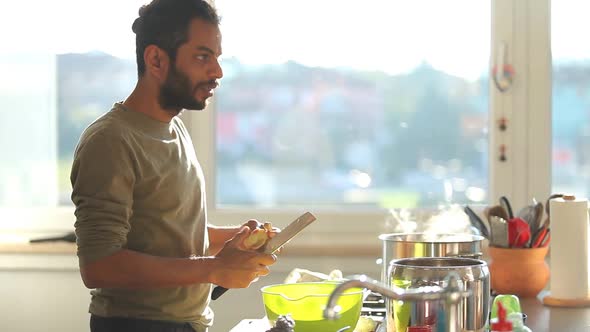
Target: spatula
536, 223
499, 232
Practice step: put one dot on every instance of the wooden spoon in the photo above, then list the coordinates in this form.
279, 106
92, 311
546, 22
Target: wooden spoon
498, 211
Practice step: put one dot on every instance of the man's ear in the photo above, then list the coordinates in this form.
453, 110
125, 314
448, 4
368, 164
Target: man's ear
156, 62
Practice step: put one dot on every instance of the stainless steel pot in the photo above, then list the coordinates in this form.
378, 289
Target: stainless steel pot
413, 273
450, 296
408, 245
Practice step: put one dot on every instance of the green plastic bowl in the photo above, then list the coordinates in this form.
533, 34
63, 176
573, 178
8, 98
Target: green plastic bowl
305, 302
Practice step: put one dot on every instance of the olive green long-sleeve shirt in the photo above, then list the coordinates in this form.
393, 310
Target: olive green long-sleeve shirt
137, 185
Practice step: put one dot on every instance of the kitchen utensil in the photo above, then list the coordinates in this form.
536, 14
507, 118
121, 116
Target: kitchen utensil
538, 219
519, 233
477, 222
532, 215
538, 237
541, 237
305, 302
280, 239
408, 245
499, 232
498, 211
546, 239
505, 203
412, 273
527, 214
289, 232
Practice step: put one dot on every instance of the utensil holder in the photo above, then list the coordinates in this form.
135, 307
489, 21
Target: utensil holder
519, 271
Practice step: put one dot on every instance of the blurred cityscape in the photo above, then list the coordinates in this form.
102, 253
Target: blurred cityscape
292, 135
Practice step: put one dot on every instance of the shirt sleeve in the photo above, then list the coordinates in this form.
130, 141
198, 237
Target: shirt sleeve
102, 179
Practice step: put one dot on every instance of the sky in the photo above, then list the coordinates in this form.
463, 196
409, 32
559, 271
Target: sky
389, 35
394, 36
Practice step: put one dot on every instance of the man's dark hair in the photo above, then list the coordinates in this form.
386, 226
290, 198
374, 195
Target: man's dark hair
165, 23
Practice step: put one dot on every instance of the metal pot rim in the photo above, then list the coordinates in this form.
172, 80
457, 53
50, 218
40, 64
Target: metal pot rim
431, 237
453, 262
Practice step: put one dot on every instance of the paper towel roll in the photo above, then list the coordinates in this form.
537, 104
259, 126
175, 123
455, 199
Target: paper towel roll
569, 248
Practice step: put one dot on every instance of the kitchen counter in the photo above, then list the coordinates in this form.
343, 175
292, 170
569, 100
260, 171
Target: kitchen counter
252, 325
540, 318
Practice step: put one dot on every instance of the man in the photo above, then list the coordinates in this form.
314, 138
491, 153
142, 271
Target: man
141, 221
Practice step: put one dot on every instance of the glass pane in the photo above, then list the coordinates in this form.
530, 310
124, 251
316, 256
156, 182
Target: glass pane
571, 97
59, 74
336, 103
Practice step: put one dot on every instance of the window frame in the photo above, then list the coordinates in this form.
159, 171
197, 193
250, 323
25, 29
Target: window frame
525, 27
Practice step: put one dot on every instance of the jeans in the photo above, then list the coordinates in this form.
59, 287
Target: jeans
124, 324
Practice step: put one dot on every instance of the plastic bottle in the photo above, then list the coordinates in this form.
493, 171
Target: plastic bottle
422, 328
502, 324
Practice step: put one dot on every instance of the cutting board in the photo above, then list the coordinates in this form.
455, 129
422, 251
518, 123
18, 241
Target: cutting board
252, 325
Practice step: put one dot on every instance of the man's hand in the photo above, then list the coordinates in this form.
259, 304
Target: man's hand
236, 267
259, 234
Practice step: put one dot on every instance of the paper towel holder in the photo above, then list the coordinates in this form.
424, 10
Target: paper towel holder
552, 301
566, 303
566, 197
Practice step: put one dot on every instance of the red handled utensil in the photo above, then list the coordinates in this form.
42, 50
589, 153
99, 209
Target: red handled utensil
542, 238
546, 239
519, 233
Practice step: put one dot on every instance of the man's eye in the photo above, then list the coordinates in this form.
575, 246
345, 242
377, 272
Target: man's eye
202, 57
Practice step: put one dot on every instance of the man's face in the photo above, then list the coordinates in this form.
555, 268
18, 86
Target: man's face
194, 74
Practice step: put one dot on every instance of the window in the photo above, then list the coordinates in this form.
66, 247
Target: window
346, 112
571, 98
379, 105
63, 66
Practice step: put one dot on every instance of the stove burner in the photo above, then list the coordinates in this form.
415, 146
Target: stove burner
374, 307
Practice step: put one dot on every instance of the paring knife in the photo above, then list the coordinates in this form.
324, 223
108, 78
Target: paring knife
277, 242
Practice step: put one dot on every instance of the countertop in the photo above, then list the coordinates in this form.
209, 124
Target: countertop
252, 325
540, 318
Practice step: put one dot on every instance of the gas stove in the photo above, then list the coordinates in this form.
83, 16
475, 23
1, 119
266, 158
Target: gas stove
374, 308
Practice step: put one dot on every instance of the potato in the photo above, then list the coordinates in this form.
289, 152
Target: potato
256, 239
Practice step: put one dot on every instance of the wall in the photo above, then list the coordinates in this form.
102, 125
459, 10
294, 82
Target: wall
42, 293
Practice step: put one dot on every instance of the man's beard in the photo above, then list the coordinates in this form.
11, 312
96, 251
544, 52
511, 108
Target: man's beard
176, 93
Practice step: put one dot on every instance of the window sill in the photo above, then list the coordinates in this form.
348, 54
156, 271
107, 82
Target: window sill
38, 257
303, 249
37, 248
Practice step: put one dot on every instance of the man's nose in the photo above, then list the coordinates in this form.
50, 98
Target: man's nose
216, 71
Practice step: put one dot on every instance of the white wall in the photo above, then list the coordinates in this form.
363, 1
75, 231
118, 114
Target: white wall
42, 293
45, 293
